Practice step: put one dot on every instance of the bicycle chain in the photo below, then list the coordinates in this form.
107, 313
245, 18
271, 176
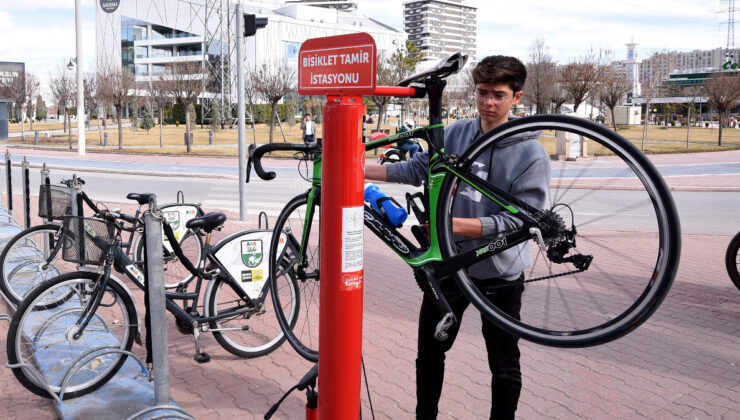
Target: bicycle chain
511, 283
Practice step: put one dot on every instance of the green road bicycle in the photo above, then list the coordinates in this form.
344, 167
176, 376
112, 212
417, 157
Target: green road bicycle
604, 251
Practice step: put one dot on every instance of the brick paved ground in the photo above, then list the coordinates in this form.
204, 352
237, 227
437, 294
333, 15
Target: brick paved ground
682, 363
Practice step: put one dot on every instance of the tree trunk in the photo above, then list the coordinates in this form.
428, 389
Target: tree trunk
187, 128
161, 118
688, 126
69, 129
719, 140
64, 119
33, 115
614, 118
273, 110
254, 133
381, 115
23, 131
100, 132
119, 111
280, 125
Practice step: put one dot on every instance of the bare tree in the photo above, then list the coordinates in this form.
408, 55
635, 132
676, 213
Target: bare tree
272, 82
63, 90
651, 89
159, 94
117, 87
384, 78
184, 82
250, 94
32, 91
613, 87
540, 76
579, 79
93, 98
15, 89
723, 90
692, 95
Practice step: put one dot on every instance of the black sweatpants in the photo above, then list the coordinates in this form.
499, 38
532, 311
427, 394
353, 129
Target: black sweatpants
503, 351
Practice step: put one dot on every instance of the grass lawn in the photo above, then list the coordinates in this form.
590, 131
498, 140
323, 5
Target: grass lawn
660, 139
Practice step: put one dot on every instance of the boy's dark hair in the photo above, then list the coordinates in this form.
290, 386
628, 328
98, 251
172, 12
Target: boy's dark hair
501, 69
306, 114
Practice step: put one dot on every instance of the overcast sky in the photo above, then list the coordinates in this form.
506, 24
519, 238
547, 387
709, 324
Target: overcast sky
41, 32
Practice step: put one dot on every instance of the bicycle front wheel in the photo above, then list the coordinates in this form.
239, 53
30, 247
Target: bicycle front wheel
620, 213
27, 261
732, 260
246, 329
298, 261
43, 338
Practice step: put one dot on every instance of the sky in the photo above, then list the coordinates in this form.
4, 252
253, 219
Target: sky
41, 32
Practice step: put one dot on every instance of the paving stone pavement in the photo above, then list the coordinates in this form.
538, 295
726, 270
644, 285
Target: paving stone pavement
682, 363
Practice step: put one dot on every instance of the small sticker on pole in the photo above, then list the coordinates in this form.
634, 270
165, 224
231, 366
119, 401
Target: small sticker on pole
352, 231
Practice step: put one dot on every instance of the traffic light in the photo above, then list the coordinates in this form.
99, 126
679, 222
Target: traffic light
252, 23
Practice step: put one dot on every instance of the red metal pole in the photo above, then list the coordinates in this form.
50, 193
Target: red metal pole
340, 318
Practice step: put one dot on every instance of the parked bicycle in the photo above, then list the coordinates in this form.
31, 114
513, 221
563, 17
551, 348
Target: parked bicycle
81, 313
732, 260
606, 249
34, 254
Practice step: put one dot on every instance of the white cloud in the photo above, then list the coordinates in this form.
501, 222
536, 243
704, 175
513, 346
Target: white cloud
33, 5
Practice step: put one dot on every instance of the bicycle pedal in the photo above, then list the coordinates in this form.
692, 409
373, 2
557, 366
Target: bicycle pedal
202, 357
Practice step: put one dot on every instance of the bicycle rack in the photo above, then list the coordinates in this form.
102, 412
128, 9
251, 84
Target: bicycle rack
91, 355
180, 413
259, 218
37, 375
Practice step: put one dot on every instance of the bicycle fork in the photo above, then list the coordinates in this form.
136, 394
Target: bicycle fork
428, 283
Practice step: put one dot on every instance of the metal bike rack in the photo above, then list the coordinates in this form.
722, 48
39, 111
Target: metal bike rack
91, 355
179, 413
26, 181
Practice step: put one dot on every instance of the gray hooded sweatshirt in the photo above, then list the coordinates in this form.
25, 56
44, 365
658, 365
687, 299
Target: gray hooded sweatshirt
518, 165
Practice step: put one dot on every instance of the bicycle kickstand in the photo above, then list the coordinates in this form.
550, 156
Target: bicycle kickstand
200, 357
428, 284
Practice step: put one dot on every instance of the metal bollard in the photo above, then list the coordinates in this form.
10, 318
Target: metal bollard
26, 181
210, 137
157, 313
9, 179
36, 137
73, 196
105, 139
46, 181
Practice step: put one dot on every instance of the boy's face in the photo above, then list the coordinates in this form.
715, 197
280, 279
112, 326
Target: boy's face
307, 118
493, 101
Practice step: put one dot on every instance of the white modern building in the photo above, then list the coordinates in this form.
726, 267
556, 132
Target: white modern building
441, 27
145, 35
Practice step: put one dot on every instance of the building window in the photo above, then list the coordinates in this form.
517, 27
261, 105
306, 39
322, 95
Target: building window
142, 52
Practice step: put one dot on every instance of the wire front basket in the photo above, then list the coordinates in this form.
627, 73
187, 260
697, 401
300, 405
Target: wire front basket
54, 202
97, 238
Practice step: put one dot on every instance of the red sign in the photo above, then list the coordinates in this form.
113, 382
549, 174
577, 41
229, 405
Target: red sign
337, 65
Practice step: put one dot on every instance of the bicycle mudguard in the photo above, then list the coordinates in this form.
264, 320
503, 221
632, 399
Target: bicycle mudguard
245, 256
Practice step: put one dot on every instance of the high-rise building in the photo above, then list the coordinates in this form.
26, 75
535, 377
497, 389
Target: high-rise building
441, 27
343, 5
696, 61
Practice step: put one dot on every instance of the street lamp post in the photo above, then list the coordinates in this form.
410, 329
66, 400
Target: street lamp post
80, 83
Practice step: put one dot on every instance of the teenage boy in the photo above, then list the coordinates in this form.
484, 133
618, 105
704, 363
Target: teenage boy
308, 128
519, 165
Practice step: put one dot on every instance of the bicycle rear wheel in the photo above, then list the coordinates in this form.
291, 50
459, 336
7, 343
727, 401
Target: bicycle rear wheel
43, 337
732, 260
622, 215
299, 224
255, 332
174, 272
26, 261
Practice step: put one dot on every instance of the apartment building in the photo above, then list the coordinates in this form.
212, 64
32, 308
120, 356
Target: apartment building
441, 27
663, 64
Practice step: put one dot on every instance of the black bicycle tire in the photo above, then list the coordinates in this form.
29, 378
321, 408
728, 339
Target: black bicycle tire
731, 260
5, 287
223, 340
646, 303
13, 332
303, 350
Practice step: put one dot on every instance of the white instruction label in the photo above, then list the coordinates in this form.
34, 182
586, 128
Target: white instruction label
352, 223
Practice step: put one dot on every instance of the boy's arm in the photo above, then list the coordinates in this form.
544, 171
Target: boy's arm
376, 172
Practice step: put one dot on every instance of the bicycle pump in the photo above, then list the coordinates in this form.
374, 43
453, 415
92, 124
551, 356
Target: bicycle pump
344, 69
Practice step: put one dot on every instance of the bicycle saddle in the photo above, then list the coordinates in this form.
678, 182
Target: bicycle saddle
141, 198
208, 222
444, 68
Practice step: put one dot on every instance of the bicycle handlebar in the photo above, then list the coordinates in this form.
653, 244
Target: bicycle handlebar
256, 153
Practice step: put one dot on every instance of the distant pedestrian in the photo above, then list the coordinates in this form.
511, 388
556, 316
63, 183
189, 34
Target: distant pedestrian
308, 128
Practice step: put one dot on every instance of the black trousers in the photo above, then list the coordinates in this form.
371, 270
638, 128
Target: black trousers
308, 138
502, 347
